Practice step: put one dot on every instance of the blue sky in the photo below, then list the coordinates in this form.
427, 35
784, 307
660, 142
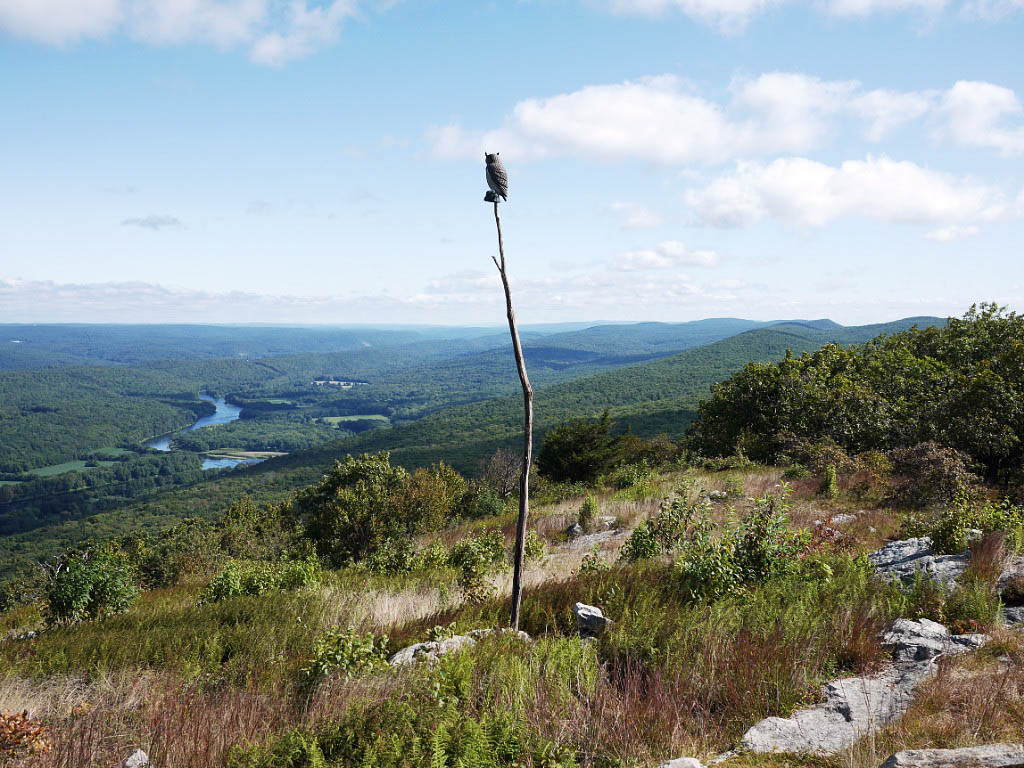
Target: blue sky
266, 161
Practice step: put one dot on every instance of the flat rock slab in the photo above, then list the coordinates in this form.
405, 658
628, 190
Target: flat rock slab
855, 706
903, 560
987, 756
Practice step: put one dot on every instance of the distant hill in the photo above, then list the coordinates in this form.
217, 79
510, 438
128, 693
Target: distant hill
658, 396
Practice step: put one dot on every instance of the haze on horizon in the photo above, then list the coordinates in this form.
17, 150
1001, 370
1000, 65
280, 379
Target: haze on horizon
240, 161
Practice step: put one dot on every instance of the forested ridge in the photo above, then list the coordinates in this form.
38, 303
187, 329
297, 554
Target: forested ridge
655, 397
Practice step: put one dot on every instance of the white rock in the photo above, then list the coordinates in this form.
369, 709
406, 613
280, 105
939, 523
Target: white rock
430, 651
987, 756
137, 759
590, 620
682, 762
843, 518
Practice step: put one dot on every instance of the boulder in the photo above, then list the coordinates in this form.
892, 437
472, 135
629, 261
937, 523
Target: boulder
1013, 615
430, 651
987, 756
574, 531
901, 561
590, 620
855, 706
137, 759
480, 634
843, 518
717, 496
682, 762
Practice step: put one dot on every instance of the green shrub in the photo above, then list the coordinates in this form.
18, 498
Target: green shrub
953, 530
346, 652
830, 483
759, 547
662, 533
392, 557
479, 502
260, 578
534, 547
593, 562
93, 585
588, 514
796, 472
630, 476
475, 558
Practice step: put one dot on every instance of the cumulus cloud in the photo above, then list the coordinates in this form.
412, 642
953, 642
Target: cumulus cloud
662, 119
273, 31
813, 194
635, 216
670, 253
977, 113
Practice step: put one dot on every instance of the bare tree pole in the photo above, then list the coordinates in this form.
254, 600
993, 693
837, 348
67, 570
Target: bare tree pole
524, 476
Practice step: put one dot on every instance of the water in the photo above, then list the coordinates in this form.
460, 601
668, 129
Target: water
224, 414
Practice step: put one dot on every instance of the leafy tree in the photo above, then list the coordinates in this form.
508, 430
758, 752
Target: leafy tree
578, 450
354, 508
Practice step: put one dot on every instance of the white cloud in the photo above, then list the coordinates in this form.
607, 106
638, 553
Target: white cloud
635, 216
976, 114
885, 111
733, 15
791, 110
869, 7
660, 119
58, 22
668, 254
812, 194
307, 30
155, 222
223, 23
992, 10
949, 234
727, 15
274, 31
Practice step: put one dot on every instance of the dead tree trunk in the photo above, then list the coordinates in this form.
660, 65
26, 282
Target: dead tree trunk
524, 477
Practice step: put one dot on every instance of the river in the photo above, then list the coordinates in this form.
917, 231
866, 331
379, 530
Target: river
224, 414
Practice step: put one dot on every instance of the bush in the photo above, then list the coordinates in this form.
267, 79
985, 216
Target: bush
534, 547
953, 531
346, 652
475, 559
928, 475
757, 548
661, 534
92, 585
354, 508
588, 514
479, 502
830, 483
392, 557
259, 578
